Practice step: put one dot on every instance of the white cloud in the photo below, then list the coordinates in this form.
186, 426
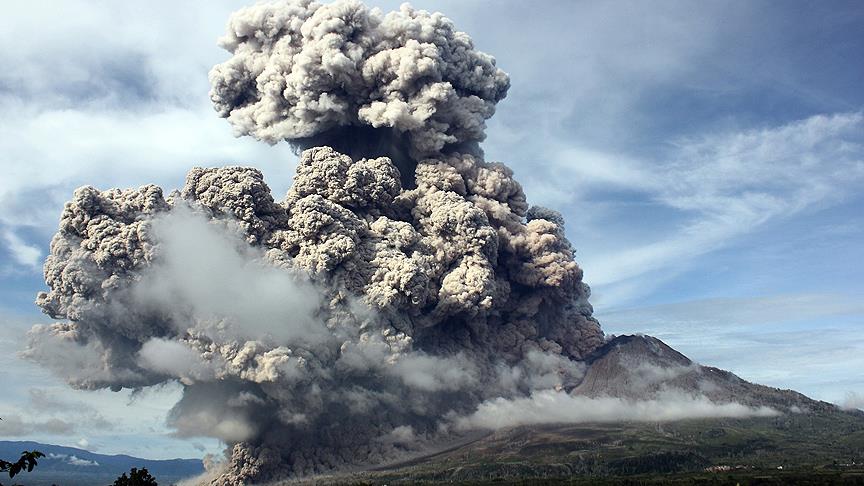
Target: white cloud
126, 147
17, 425
73, 460
113, 95
549, 407
22, 253
47, 410
721, 187
47, 413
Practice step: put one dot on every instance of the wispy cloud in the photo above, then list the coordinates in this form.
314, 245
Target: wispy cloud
72, 460
15, 425
719, 188
853, 401
51, 415
549, 407
24, 254
113, 96
756, 310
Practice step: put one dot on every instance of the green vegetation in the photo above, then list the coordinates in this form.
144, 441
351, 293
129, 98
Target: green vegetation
805, 448
137, 477
26, 462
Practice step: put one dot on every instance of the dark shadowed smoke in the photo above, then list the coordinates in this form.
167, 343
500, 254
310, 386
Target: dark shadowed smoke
364, 142
402, 280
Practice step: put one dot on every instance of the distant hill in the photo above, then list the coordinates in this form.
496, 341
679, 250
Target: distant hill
69, 466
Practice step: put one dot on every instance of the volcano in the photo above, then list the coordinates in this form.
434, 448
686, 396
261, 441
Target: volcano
811, 442
403, 296
639, 367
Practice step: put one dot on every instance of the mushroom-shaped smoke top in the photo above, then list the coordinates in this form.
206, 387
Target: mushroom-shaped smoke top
406, 85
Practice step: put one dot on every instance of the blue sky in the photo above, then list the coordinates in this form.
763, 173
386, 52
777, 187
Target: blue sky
708, 157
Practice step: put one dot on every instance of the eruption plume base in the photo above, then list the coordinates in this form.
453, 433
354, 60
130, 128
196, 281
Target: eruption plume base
352, 308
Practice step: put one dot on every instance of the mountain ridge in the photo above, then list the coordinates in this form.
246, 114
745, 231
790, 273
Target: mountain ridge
71, 466
638, 367
808, 441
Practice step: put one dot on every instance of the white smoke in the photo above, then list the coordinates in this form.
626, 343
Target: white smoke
852, 401
209, 274
551, 406
174, 359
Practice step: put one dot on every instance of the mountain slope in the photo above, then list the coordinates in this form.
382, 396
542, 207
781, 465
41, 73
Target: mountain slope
813, 442
802, 444
639, 367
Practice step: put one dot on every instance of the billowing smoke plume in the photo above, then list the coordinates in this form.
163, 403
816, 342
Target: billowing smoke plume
401, 281
407, 85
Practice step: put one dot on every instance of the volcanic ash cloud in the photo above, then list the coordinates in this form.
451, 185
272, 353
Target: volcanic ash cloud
344, 76
402, 281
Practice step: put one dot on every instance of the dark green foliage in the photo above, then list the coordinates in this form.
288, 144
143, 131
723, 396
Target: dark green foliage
659, 463
26, 462
137, 477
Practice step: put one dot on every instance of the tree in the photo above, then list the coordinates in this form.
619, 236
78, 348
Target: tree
137, 477
26, 462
